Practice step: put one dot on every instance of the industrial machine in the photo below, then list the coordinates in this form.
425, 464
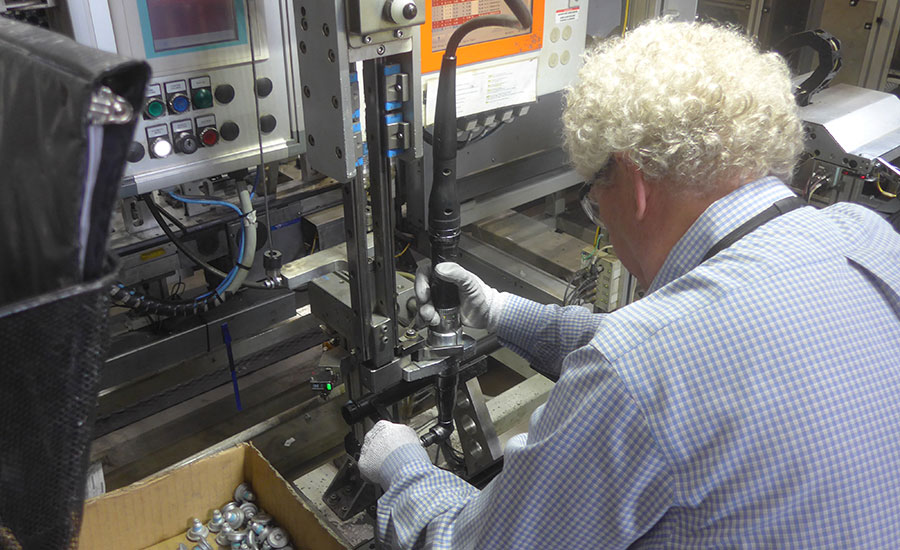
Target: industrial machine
277, 197
363, 138
852, 134
366, 59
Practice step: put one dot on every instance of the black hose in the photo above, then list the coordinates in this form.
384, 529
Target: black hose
156, 211
171, 217
169, 308
479, 23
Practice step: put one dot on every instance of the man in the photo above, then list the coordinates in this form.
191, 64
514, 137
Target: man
750, 399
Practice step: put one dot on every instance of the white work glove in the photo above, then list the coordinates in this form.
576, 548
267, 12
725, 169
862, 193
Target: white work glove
480, 306
383, 439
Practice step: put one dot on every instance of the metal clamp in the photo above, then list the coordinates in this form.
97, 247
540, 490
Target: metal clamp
108, 107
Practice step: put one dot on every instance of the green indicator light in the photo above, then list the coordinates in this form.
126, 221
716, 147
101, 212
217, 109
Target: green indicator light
203, 98
328, 387
155, 108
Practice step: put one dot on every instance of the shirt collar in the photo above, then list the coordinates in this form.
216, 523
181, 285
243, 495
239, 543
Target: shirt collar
717, 221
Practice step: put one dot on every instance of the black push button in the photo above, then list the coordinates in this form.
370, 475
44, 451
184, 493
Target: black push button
267, 123
224, 93
229, 131
135, 152
263, 86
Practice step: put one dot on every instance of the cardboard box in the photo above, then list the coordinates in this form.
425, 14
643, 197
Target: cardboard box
154, 514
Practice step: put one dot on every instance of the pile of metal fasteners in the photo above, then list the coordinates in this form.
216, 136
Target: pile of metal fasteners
239, 525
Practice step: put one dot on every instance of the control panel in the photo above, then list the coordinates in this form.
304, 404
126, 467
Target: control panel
223, 86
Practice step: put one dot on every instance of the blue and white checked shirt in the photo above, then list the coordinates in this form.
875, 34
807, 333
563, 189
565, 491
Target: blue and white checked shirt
752, 401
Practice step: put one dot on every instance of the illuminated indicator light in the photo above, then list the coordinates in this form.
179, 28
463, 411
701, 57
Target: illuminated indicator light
203, 98
155, 108
328, 387
161, 148
180, 104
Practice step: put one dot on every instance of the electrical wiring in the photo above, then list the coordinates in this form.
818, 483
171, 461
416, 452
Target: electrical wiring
625, 22
171, 217
231, 274
812, 191
313, 247
403, 251
259, 169
881, 189
234, 270
156, 212
249, 8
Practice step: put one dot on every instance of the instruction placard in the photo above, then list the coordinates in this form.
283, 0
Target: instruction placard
487, 88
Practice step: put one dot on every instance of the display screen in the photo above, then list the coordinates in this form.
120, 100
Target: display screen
176, 24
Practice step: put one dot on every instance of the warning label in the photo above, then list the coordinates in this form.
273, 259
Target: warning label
564, 16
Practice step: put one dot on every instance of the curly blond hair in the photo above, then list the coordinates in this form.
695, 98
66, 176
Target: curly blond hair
693, 104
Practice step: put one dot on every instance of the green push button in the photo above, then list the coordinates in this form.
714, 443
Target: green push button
155, 108
203, 98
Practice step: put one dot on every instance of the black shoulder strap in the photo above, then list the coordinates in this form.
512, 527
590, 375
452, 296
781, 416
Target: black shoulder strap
781, 207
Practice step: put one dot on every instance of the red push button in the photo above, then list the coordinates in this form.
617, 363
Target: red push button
209, 137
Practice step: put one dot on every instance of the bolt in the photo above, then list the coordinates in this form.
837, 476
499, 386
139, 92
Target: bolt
333, 497
197, 531
237, 536
249, 510
398, 33
261, 531
243, 493
380, 49
234, 516
262, 518
383, 328
410, 332
367, 39
215, 524
277, 538
222, 537
343, 508
398, 88
384, 339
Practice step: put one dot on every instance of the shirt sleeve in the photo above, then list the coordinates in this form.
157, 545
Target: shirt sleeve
545, 334
590, 475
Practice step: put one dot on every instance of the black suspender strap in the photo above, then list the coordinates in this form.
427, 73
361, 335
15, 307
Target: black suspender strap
781, 207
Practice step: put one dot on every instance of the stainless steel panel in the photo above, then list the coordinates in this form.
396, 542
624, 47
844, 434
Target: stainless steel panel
324, 72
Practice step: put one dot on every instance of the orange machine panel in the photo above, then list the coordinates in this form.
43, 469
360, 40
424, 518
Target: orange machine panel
482, 51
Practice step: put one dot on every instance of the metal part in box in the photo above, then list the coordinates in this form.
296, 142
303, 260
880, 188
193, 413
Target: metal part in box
189, 490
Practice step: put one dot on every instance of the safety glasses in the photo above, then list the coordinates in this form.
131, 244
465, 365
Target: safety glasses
589, 205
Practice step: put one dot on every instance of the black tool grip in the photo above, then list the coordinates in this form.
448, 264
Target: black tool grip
444, 295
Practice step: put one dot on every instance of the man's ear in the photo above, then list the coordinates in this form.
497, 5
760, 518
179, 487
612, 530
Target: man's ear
640, 190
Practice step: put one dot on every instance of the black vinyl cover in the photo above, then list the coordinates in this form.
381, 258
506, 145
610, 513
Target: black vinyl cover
46, 84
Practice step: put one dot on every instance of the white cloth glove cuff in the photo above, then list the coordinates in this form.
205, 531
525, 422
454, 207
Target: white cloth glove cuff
495, 310
383, 439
